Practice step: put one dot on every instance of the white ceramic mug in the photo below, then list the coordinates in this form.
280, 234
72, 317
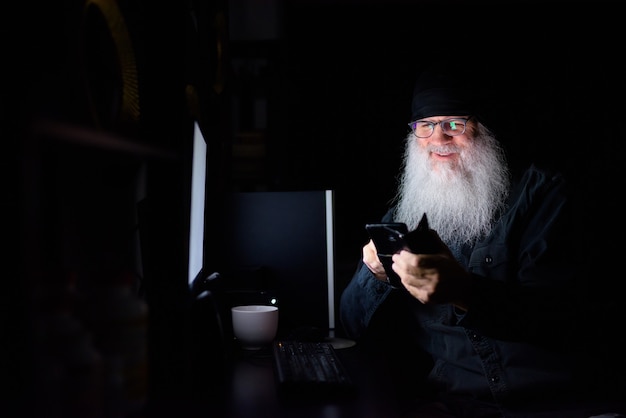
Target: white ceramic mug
254, 326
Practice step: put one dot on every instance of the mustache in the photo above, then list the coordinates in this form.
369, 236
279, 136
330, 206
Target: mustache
443, 149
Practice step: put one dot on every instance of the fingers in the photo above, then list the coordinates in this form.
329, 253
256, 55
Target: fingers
371, 260
423, 290
419, 274
434, 278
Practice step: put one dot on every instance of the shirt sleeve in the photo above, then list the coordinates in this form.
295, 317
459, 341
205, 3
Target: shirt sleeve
362, 297
360, 300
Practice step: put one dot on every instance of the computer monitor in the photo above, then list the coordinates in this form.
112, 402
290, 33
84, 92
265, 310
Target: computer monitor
278, 247
272, 247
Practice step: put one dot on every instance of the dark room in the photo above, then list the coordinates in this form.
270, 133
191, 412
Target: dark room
171, 160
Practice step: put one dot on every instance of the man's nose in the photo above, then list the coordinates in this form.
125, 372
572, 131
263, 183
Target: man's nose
439, 136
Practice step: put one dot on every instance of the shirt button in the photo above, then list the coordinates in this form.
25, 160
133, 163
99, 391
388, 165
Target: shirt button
488, 259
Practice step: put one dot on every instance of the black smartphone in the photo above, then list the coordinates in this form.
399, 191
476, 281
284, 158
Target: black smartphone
389, 238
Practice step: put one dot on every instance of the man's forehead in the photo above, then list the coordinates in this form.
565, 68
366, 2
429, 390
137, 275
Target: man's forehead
441, 118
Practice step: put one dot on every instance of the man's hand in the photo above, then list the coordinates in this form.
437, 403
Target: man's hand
371, 260
433, 278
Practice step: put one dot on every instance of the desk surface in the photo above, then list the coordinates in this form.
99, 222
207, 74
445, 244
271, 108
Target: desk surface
249, 390
254, 393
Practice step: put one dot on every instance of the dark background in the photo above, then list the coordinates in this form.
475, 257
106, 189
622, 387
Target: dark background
346, 74
335, 79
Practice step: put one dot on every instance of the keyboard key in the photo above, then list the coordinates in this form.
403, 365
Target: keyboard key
310, 368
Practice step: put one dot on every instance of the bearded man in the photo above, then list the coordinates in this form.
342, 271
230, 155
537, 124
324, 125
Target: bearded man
486, 327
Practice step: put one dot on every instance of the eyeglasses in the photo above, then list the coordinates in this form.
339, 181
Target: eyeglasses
451, 127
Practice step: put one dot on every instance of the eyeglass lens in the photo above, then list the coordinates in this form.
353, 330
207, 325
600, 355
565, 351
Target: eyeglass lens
450, 127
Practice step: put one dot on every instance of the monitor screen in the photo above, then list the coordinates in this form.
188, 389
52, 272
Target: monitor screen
197, 207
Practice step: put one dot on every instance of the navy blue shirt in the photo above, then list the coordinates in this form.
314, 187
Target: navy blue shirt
518, 337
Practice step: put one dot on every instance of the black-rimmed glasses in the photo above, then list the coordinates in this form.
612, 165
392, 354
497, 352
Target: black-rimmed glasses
450, 127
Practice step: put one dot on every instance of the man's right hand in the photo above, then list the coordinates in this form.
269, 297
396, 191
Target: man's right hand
371, 260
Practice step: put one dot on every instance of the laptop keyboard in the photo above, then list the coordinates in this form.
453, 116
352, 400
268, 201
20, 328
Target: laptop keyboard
305, 367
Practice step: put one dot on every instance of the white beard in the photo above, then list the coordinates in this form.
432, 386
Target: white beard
460, 199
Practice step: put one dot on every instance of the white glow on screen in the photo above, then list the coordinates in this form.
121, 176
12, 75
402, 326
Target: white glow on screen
196, 220
330, 251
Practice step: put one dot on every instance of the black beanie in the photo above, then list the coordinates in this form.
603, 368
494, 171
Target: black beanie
441, 91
